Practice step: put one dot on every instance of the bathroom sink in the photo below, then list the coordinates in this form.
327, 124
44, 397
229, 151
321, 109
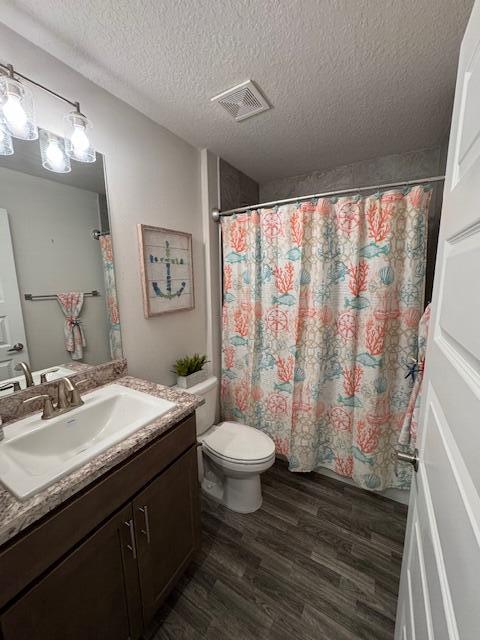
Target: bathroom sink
36, 452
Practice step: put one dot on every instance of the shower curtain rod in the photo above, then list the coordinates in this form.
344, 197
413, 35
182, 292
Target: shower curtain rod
216, 214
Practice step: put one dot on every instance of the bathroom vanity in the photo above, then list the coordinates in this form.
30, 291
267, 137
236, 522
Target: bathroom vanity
97, 561
99, 503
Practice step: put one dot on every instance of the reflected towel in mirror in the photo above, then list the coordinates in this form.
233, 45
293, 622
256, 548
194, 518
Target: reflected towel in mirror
71, 304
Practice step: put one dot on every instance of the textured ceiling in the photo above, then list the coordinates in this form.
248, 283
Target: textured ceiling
348, 79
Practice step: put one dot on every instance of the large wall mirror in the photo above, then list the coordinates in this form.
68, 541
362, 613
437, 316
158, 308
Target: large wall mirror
55, 249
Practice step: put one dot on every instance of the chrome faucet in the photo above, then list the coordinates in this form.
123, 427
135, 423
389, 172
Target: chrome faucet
23, 366
68, 398
68, 395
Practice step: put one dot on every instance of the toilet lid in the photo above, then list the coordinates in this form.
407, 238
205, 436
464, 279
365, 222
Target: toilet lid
236, 441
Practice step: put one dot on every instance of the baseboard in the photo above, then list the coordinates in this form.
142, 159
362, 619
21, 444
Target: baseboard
394, 494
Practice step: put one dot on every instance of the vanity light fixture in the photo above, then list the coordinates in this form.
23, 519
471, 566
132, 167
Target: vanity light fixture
54, 155
16, 101
17, 120
77, 143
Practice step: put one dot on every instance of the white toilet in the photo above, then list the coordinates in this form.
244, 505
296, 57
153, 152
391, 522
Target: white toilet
232, 455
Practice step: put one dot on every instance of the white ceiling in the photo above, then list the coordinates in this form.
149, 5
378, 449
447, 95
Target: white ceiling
348, 79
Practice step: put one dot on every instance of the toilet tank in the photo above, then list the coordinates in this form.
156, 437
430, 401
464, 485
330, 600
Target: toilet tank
205, 415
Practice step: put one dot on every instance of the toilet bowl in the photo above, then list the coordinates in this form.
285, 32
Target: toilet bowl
232, 455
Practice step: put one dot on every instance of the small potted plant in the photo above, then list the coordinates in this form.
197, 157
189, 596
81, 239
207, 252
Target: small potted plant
190, 370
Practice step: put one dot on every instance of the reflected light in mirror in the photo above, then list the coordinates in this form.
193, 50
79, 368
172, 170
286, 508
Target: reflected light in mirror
52, 148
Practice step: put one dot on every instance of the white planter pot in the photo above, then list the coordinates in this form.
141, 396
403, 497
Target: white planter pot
189, 381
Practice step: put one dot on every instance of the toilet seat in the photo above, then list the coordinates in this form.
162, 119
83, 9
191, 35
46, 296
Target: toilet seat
221, 458
238, 443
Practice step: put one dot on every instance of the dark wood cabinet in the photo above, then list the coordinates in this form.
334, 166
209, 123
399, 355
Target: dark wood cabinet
113, 580
166, 524
85, 596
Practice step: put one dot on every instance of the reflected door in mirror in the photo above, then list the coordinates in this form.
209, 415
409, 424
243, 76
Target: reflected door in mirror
12, 330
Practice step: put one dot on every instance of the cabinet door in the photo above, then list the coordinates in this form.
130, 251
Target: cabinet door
92, 593
167, 522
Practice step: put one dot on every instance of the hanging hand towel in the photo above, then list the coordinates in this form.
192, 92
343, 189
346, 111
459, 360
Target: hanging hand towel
71, 304
408, 434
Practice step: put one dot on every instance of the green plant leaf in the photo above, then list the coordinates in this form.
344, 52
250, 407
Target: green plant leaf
189, 364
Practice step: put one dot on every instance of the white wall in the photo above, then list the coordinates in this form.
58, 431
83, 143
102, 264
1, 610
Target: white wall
211, 232
153, 177
54, 251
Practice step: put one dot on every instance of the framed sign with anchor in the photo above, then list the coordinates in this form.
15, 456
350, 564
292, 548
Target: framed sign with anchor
167, 270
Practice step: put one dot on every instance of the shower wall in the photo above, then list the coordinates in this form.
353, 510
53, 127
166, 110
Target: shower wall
236, 188
392, 168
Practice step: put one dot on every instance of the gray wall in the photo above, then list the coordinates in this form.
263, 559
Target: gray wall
211, 229
393, 168
54, 251
236, 188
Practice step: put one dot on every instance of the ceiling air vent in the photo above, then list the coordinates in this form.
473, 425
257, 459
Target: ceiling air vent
242, 101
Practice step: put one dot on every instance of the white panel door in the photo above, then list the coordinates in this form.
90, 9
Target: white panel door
440, 584
12, 329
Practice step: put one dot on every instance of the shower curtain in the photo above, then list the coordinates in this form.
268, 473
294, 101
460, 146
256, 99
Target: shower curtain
321, 306
114, 333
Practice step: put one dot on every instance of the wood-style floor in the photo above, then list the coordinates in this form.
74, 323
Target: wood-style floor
319, 560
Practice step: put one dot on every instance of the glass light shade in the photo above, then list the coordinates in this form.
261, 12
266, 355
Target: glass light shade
52, 149
6, 144
77, 142
16, 103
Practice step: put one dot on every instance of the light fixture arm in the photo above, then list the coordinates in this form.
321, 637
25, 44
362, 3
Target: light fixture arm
16, 74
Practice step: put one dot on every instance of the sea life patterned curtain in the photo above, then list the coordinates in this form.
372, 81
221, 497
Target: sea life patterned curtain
408, 433
114, 333
322, 302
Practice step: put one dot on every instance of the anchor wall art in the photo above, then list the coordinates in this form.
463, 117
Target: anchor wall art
166, 266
